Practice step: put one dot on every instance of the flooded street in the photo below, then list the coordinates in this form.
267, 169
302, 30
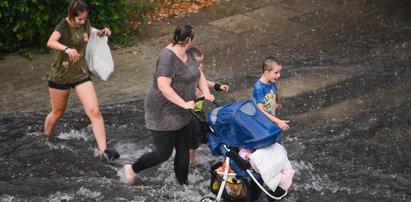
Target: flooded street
344, 85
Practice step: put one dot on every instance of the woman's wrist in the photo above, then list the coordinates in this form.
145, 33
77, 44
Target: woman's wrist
66, 49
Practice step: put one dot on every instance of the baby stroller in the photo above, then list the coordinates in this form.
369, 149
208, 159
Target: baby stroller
231, 126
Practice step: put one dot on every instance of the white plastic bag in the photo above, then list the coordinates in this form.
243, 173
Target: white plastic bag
98, 56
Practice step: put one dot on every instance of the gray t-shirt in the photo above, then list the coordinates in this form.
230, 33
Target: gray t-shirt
160, 113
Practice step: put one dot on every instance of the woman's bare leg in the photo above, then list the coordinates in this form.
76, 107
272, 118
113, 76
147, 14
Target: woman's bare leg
58, 100
88, 97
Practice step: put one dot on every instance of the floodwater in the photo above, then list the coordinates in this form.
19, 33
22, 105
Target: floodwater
350, 112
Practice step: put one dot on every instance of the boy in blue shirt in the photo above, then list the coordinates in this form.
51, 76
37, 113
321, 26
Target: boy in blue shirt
265, 93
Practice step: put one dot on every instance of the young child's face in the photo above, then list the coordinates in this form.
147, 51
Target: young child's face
274, 74
200, 60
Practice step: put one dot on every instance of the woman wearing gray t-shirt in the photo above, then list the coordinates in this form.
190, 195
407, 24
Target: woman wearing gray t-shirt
176, 77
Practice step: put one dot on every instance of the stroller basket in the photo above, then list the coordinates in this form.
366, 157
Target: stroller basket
235, 187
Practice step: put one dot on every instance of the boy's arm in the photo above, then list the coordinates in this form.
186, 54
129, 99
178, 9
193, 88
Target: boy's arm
277, 100
203, 86
281, 123
210, 84
217, 87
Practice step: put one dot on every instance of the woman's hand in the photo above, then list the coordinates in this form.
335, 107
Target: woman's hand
209, 97
104, 32
73, 54
189, 105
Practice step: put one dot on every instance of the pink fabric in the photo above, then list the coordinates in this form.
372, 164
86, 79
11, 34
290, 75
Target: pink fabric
286, 178
243, 152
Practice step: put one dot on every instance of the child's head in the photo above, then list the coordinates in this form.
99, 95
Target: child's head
271, 69
198, 55
78, 12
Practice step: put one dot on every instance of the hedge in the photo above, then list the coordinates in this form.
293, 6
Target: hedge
29, 23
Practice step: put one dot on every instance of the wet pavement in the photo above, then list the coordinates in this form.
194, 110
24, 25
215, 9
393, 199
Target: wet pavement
235, 37
345, 87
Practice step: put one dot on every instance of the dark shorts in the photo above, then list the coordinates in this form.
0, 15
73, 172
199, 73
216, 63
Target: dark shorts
68, 85
198, 131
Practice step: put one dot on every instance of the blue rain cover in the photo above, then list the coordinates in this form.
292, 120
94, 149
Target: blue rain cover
241, 124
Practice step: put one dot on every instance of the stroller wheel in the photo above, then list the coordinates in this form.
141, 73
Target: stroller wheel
207, 199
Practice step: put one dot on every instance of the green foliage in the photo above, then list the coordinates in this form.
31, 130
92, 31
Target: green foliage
25, 53
109, 13
29, 23
123, 40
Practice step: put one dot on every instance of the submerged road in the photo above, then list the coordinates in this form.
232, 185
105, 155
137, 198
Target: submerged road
344, 86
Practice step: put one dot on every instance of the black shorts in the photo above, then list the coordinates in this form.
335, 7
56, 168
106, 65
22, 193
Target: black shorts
67, 85
198, 131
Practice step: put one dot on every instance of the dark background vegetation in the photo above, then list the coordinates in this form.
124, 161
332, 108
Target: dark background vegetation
27, 24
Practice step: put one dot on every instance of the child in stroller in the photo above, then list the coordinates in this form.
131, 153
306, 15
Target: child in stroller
236, 125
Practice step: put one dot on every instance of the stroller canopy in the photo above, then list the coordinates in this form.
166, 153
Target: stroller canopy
241, 124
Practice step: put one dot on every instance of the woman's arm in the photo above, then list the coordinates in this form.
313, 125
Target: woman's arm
104, 32
54, 44
164, 85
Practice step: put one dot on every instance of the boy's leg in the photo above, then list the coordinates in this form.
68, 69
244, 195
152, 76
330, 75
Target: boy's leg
192, 157
193, 140
181, 160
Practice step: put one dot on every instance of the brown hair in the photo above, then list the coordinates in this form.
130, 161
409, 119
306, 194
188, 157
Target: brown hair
77, 7
182, 34
268, 63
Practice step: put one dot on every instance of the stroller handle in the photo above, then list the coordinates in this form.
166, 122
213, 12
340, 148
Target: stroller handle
202, 98
196, 115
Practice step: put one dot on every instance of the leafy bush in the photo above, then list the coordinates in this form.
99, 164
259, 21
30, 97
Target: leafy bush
29, 23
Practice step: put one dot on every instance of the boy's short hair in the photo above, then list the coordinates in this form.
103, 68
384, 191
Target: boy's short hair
269, 62
196, 52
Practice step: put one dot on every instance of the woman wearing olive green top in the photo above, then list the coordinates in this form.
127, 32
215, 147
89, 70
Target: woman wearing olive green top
70, 70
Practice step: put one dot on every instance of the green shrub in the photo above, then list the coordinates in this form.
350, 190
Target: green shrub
29, 23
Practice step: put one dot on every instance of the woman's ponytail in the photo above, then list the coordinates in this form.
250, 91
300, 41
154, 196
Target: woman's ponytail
182, 34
